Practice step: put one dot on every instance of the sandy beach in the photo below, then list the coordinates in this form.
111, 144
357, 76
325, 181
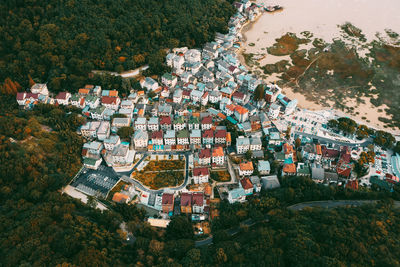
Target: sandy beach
262, 33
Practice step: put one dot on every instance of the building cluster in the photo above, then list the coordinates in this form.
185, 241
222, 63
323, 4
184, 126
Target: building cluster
195, 108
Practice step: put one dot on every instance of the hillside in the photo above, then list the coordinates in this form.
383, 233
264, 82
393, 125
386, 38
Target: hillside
60, 42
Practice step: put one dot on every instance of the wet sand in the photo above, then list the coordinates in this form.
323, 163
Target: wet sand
323, 24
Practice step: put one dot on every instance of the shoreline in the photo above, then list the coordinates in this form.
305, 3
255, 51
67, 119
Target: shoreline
367, 111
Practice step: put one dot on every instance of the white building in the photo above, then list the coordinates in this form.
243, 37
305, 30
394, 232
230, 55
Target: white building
111, 142
242, 144
274, 110
169, 137
141, 139
153, 124
140, 124
103, 132
40, 88
62, 98
200, 175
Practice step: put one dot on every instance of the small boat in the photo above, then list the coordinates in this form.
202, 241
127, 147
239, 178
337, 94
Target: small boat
273, 8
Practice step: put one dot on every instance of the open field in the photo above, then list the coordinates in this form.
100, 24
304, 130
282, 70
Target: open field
161, 173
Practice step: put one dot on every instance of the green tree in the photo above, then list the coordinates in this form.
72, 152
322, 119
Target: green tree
125, 133
179, 228
259, 93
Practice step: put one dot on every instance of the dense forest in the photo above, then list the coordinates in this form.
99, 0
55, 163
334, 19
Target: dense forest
60, 42
40, 152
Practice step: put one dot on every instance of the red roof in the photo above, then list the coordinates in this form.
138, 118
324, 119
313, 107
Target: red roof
238, 95
200, 171
246, 184
218, 152
220, 134
165, 120
31, 95
157, 135
208, 134
186, 93
21, 95
232, 68
62, 95
206, 120
329, 153
186, 199
167, 199
109, 100
198, 199
241, 110
205, 153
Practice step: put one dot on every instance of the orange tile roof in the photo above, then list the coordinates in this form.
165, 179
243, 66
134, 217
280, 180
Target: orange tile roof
119, 197
228, 137
113, 93
141, 111
246, 184
83, 91
246, 166
287, 149
241, 110
289, 168
208, 189
222, 116
218, 152
89, 86
140, 93
318, 149
196, 114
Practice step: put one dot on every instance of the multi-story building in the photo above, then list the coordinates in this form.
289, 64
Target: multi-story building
153, 124
246, 168
182, 137
193, 123
205, 156
167, 202
141, 139
179, 124
169, 137
255, 143
157, 138
218, 157
198, 202
111, 142
103, 132
165, 123
220, 137
242, 144
208, 137
200, 175
206, 123
195, 137
140, 124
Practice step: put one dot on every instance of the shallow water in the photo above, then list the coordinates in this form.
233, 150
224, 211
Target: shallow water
321, 17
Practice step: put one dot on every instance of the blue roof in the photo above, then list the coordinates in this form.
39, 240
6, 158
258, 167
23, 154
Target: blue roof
396, 164
237, 193
288, 161
232, 120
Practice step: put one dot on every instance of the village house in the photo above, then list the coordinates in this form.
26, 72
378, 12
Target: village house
97, 113
218, 157
91, 163
103, 132
236, 195
62, 98
77, 101
89, 129
169, 80
121, 122
149, 84
92, 101
164, 110
215, 97
40, 88
270, 182
141, 139
264, 167
205, 156
206, 123
198, 202
241, 114
246, 184
208, 137
140, 124
274, 111
157, 138
204, 99
92, 149
246, 168
242, 145
200, 175
111, 142
256, 183
182, 138
152, 124
166, 123
186, 203
169, 138
302, 169
119, 156
255, 143
127, 112
193, 123
177, 96
289, 169
167, 203
128, 104
195, 137
220, 137
110, 102
179, 124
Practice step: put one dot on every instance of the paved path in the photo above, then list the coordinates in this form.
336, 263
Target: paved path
125, 176
330, 204
364, 143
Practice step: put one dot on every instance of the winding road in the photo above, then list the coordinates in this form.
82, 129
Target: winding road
364, 143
